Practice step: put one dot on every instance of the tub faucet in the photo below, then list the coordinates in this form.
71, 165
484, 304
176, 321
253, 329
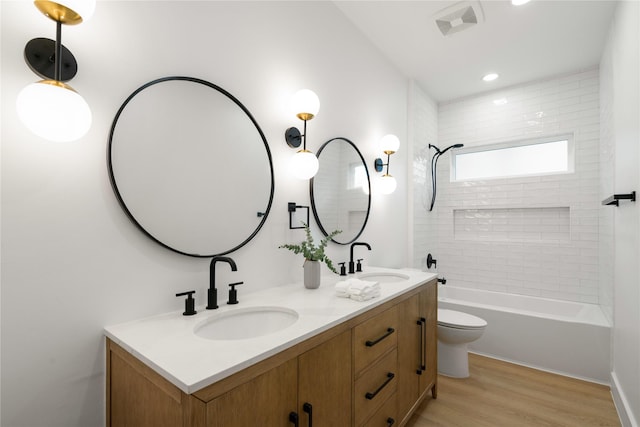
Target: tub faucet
351, 263
212, 295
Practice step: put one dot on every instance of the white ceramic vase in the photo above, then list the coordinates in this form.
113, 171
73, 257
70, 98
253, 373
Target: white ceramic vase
311, 274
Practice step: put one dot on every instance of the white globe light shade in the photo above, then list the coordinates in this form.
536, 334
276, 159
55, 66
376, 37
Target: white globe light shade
389, 144
304, 164
54, 111
305, 104
387, 184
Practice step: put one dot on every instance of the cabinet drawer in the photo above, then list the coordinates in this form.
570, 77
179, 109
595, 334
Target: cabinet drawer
386, 416
375, 386
375, 337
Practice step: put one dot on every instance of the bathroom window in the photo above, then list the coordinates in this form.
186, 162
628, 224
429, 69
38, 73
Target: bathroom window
357, 176
543, 156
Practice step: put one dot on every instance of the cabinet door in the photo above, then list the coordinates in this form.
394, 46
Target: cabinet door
417, 348
429, 310
324, 383
267, 400
409, 355
138, 396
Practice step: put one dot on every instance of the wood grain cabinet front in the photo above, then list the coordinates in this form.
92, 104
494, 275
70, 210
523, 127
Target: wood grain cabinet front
314, 388
375, 359
417, 350
362, 372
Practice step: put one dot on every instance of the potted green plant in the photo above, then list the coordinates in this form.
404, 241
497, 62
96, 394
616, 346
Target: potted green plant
313, 256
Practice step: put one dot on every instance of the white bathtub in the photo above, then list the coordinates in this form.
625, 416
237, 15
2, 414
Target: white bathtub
559, 336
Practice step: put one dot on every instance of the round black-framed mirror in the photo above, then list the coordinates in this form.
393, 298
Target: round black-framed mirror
185, 164
341, 190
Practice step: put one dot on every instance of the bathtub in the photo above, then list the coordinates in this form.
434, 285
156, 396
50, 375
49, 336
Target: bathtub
564, 337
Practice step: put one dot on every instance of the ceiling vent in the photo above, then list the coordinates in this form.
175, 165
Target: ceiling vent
459, 17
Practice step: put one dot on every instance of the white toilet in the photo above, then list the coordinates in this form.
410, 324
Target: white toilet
455, 330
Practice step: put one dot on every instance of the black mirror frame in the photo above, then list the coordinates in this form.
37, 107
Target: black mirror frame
313, 204
264, 215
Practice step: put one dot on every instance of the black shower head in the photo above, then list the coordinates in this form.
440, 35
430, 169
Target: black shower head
434, 164
440, 152
450, 147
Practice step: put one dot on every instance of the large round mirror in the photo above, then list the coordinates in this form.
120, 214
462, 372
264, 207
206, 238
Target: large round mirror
190, 166
341, 190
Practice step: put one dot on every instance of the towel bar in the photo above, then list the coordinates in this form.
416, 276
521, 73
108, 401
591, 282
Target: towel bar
615, 199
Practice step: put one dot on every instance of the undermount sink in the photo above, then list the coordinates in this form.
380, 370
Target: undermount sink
244, 323
384, 277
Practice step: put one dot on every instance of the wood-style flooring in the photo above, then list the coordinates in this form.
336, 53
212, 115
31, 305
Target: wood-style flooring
501, 394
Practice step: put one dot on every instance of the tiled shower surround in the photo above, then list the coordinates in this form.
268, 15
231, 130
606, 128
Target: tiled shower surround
527, 235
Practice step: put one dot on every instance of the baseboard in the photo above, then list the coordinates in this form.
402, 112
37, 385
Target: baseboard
540, 368
622, 405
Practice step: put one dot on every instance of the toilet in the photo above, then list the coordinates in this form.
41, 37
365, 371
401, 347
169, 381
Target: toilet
455, 330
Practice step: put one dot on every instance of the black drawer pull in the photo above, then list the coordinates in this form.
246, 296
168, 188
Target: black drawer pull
309, 410
390, 422
370, 395
423, 344
293, 418
374, 342
419, 370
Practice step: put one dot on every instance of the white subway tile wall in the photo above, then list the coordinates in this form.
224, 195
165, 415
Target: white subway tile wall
423, 124
607, 188
529, 235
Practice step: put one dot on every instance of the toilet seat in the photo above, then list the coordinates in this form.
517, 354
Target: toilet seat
459, 320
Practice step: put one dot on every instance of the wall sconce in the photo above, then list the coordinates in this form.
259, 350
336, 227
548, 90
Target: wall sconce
50, 108
389, 144
304, 164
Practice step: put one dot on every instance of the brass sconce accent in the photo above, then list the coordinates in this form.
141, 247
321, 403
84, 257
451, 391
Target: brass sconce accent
51, 108
389, 144
304, 164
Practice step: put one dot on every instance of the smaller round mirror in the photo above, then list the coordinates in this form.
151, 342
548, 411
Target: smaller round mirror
341, 191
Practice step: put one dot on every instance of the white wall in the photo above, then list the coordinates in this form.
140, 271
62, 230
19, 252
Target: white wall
73, 263
620, 78
423, 130
530, 235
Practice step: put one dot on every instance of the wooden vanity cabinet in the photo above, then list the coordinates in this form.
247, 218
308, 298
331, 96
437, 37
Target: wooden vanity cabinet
417, 350
375, 359
324, 381
317, 383
265, 400
327, 377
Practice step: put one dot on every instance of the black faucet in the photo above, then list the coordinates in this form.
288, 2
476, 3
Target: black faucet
212, 295
351, 263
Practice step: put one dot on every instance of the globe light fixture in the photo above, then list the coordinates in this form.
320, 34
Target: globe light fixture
305, 104
389, 144
50, 108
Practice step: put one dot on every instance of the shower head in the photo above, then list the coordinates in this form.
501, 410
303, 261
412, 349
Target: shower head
434, 165
441, 152
450, 147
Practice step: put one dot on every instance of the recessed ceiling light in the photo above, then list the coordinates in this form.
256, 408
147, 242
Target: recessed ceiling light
519, 2
490, 77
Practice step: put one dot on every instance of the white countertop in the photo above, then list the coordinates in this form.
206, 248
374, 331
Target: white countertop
167, 343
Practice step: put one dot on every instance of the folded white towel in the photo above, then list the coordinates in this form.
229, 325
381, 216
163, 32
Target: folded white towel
363, 287
356, 289
364, 297
342, 288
